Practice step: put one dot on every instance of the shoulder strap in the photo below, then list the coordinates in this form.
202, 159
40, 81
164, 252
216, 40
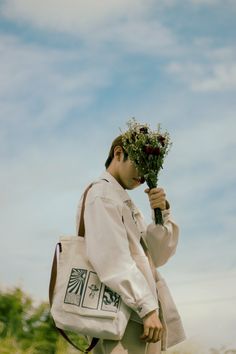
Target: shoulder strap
81, 230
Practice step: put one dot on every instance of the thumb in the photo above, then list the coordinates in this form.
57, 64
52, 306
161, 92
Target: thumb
147, 190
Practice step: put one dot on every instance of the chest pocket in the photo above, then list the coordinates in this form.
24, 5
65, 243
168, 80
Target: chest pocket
134, 232
130, 220
137, 218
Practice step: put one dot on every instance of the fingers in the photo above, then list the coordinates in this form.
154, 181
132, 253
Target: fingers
156, 193
157, 197
145, 333
152, 327
158, 204
151, 335
157, 336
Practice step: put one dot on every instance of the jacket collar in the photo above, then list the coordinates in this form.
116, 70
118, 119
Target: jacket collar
122, 192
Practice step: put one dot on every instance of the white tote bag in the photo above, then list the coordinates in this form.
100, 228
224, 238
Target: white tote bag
79, 301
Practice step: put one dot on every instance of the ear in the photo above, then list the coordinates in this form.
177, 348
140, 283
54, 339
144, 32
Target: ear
118, 153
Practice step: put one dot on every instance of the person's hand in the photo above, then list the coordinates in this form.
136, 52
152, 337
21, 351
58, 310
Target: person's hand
152, 328
157, 198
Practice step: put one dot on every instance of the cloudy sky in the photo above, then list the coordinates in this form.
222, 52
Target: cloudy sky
71, 74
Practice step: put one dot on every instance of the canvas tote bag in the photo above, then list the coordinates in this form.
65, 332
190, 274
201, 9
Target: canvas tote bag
79, 301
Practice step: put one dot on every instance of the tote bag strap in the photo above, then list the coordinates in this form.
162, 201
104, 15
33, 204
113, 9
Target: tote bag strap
81, 230
54, 277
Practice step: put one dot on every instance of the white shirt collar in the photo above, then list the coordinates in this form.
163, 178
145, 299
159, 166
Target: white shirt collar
124, 195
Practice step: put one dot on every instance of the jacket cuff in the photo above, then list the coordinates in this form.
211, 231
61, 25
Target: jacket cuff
165, 215
144, 308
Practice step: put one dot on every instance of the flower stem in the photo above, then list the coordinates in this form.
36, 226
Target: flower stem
152, 183
158, 216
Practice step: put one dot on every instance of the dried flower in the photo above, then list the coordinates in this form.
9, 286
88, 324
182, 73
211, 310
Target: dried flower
143, 130
147, 149
162, 140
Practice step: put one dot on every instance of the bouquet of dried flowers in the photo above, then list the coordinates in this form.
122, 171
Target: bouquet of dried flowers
147, 149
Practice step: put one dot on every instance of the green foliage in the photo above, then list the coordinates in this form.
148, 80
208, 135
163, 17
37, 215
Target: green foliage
29, 329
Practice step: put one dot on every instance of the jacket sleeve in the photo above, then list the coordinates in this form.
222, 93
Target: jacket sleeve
108, 252
162, 240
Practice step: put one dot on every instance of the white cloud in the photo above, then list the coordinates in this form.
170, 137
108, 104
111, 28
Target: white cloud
170, 3
205, 2
74, 16
38, 89
222, 77
25, 64
215, 72
210, 138
146, 37
125, 24
230, 3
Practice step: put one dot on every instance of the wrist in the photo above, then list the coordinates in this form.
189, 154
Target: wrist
156, 311
149, 314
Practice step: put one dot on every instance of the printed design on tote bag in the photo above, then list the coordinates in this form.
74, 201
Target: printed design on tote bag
86, 290
75, 286
92, 291
110, 300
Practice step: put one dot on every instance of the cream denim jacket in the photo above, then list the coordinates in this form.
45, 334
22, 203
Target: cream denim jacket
113, 228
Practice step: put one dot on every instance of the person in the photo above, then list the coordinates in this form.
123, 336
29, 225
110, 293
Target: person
114, 227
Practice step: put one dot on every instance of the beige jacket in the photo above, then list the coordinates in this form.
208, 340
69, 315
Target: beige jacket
113, 228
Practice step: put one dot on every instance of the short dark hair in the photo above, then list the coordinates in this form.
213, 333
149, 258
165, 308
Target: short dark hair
116, 142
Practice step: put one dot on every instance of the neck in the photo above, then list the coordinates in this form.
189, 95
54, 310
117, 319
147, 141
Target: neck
115, 174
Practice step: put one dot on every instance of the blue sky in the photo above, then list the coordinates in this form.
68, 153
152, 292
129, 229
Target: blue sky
72, 73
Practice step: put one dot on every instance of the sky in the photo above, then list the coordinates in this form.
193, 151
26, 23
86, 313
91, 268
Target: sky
71, 75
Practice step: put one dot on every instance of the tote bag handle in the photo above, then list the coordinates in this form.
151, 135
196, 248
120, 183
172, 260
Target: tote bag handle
53, 278
81, 230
